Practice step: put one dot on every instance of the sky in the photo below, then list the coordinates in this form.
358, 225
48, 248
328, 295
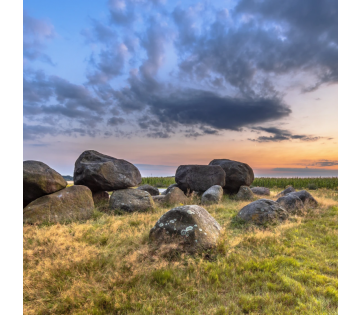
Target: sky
166, 83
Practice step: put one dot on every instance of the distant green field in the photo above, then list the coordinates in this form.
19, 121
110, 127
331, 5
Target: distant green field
270, 182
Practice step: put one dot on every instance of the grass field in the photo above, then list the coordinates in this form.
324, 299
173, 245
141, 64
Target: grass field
107, 266
270, 182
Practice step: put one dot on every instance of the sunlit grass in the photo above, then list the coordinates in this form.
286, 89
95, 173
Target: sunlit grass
107, 266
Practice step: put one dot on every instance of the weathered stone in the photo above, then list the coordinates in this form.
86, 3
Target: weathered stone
237, 174
69, 204
168, 189
199, 177
262, 191
39, 180
101, 197
213, 195
159, 199
306, 198
244, 193
153, 191
190, 227
263, 211
175, 196
286, 191
131, 200
292, 204
101, 172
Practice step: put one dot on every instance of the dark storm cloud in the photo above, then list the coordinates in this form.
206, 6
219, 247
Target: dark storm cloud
281, 135
35, 35
261, 38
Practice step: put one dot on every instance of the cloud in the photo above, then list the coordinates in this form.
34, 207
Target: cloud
324, 163
305, 170
281, 135
114, 121
36, 33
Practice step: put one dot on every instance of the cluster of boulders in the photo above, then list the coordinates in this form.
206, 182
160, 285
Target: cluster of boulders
48, 199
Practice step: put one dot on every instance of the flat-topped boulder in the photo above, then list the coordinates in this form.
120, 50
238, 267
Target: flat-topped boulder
192, 228
69, 204
153, 191
39, 180
213, 195
199, 177
261, 191
237, 174
101, 172
286, 191
292, 204
131, 200
244, 193
263, 211
306, 198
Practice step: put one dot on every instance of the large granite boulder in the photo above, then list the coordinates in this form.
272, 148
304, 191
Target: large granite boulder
286, 191
153, 191
131, 200
261, 191
39, 180
292, 204
159, 199
192, 228
263, 211
213, 195
101, 197
175, 196
306, 198
199, 177
101, 172
69, 204
168, 189
237, 174
244, 193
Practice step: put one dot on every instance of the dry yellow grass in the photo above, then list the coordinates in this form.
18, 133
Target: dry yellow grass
107, 266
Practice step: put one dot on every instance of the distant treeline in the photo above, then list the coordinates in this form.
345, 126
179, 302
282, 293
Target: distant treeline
270, 182
67, 177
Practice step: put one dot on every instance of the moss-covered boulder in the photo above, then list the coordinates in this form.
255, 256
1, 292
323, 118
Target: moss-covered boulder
212, 196
39, 180
131, 200
261, 191
69, 204
293, 204
192, 228
101, 172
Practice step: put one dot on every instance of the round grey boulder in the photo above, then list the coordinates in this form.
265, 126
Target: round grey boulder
131, 200
101, 172
306, 198
174, 196
168, 189
213, 195
292, 204
244, 193
69, 204
199, 177
237, 174
153, 191
192, 228
263, 211
261, 191
39, 180
286, 191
